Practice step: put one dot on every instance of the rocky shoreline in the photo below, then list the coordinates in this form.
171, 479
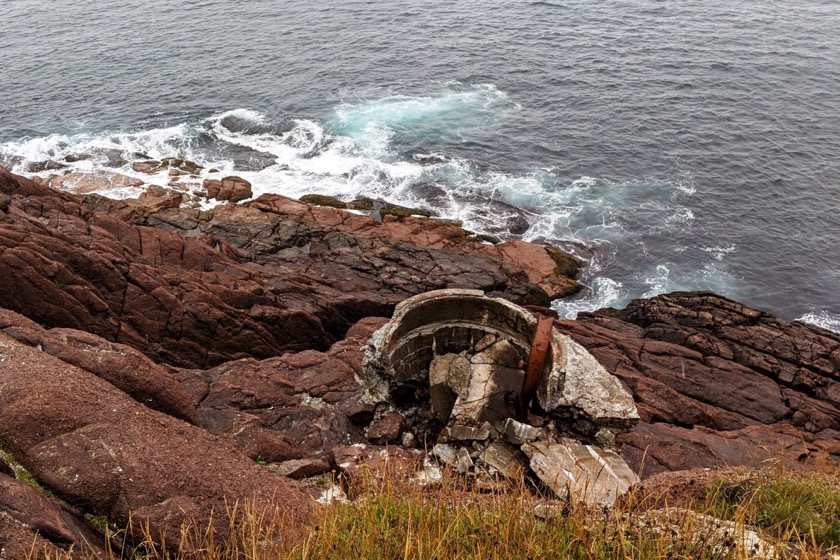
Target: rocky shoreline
157, 361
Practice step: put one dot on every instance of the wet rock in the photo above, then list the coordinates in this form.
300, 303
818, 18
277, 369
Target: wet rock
598, 476
150, 167
41, 166
73, 158
232, 189
83, 183
400, 212
323, 200
428, 159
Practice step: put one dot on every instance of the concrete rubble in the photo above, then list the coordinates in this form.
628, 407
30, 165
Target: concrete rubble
452, 362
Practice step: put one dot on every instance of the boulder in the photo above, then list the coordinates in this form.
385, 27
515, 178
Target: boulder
232, 189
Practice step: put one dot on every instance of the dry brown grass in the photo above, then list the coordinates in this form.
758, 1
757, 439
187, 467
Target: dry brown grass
396, 519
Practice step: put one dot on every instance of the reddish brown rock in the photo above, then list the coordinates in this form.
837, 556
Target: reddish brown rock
386, 429
717, 383
201, 288
233, 189
310, 398
18, 542
122, 366
28, 506
299, 468
106, 454
359, 461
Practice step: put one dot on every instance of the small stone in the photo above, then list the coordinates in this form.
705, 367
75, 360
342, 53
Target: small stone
299, 468
408, 439
385, 430
519, 433
359, 413
445, 453
605, 437
505, 458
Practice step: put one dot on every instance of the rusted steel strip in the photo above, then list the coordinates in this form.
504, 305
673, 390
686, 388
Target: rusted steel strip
536, 361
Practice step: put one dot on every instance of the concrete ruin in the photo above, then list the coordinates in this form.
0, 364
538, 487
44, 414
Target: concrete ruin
453, 364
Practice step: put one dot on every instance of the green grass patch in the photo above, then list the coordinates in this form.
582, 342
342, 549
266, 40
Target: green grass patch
807, 507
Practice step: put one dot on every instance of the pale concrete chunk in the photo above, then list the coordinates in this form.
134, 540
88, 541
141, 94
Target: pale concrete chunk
587, 387
439, 368
494, 383
465, 462
519, 433
446, 453
459, 432
505, 458
592, 474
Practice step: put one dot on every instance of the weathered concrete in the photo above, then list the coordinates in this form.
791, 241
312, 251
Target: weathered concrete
596, 475
419, 348
454, 361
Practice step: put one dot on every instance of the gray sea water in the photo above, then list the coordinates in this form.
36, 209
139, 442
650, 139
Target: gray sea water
671, 144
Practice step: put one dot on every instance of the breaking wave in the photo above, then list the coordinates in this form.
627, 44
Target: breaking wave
405, 150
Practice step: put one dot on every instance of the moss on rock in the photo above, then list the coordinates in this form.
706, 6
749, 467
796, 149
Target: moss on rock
323, 200
567, 265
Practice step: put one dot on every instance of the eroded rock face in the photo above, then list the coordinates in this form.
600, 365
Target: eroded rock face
452, 361
195, 289
717, 383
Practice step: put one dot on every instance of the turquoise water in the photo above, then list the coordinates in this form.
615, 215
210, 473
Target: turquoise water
672, 145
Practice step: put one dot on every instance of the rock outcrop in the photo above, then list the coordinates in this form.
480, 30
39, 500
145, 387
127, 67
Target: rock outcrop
717, 383
108, 455
151, 355
195, 289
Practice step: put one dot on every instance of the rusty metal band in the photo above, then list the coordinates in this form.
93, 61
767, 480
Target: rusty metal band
536, 362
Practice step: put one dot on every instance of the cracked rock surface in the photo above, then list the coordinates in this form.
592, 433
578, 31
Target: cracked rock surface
718, 383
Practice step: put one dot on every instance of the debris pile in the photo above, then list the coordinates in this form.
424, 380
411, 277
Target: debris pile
462, 368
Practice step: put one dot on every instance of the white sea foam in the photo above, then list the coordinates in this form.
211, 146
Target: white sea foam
357, 151
824, 319
719, 252
602, 292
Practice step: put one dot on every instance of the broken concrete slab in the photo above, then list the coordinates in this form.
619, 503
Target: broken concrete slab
595, 475
519, 433
505, 459
587, 390
453, 361
456, 321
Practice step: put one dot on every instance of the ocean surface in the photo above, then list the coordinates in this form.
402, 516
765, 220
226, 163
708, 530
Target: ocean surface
672, 145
